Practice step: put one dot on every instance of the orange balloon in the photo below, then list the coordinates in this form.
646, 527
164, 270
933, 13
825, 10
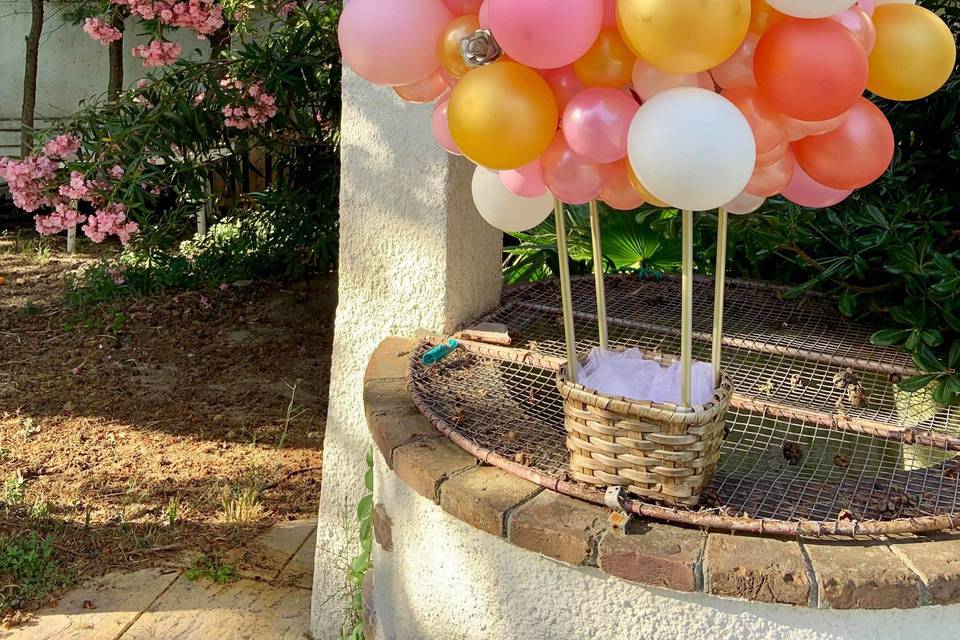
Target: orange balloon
763, 16
772, 179
642, 190
914, 55
608, 63
853, 155
810, 69
766, 122
769, 157
502, 115
618, 190
448, 49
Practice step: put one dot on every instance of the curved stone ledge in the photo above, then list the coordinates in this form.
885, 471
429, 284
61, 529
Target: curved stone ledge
907, 572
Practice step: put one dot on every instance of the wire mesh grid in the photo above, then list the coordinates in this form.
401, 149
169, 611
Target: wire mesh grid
772, 468
793, 353
817, 432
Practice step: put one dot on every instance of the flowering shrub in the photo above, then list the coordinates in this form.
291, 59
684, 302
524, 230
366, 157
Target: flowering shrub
158, 53
138, 168
101, 31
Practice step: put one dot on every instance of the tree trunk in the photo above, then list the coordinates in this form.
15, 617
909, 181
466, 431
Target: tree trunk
30, 78
219, 42
115, 85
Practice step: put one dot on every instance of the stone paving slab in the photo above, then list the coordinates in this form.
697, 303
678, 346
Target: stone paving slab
270, 601
267, 556
101, 609
240, 610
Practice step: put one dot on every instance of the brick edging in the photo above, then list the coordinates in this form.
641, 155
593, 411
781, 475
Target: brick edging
877, 573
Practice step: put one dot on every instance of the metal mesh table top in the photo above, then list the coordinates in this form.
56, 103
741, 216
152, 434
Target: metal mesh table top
802, 448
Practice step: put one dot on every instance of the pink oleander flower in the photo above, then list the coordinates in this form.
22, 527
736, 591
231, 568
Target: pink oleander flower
116, 275
77, 188
259, 107
158, 53
101, 31
287, 8
111, 220
116, 172
62, 147
29, 180
64, 217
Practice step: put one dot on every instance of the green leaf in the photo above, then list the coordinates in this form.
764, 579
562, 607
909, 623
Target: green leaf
933, 337
915, 383
888, 337
943, 393
368, 480
847, 303
953, 359
926, 360
364, 507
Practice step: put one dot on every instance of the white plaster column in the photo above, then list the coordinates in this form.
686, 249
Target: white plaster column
414, 253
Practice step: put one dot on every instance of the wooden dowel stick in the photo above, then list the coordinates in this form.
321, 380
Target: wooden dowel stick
719, 282
598, 275
686, 311
565, 293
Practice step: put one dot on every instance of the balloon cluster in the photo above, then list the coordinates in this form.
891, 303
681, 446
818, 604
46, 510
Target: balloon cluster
694, 104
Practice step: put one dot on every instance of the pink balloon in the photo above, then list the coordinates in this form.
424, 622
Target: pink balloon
463, 7
772, 179
858, 22
392, 43
568, 176
868, 6
797, 129
649, 81
526, 181
618, 191
484, 14
426, 90
441, 128
450, 79
545, 34
565, 83
610, 14
596, 122
737, 70
807, 192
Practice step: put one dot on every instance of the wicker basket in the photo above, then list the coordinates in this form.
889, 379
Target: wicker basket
656, 451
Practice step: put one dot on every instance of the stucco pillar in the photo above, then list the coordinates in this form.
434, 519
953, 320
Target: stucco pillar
414, 254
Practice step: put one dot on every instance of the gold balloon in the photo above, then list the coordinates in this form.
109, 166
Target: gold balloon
914, 55
763, 16
608, 63
683, 36
648, 197
448, 49
503, 115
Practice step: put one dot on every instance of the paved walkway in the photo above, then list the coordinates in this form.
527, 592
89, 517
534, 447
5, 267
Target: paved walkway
269, 601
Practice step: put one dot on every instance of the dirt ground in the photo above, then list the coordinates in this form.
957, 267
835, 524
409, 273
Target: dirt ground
170, 431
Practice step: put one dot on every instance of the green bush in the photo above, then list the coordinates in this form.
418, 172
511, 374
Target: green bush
29, 572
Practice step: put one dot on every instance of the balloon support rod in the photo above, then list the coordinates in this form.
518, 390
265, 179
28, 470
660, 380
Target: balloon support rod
719, 282
565, 292
686, 310
598, 275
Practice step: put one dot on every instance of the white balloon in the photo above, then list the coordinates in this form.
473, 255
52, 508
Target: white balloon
502, 208
744, 203
691, 148
811, 8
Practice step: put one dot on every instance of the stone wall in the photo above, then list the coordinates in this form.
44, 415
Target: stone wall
414, 254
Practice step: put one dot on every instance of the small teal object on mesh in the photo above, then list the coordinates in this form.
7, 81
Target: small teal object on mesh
439, 352
650, 274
